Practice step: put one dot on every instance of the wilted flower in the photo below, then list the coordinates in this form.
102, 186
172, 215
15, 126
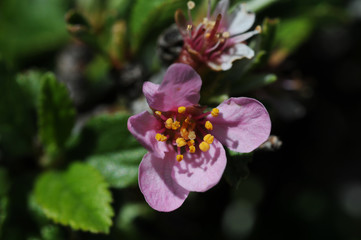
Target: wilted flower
219, 39
185, 141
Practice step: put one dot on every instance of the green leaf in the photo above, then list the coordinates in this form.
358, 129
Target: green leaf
147, 16
120, 169
56, 114
102, 134
237, 167
78, 197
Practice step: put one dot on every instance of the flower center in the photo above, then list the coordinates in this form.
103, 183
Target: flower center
186, 129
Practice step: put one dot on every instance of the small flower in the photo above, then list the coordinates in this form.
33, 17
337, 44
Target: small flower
219, 39
185, 141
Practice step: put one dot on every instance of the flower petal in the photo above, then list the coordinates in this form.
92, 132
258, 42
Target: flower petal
149, 90
244, 36
200, 171
160, 191
240, 20
242, 124
238, 51
144, 127
221, 8
180, 87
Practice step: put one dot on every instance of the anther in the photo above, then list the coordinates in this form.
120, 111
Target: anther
181, 109
159, 113
192, 135
204, 146
187, 120
179, 157
215, 112
225, 34
160, 137
208, 125
175, 125
184, 132
189, 27
168, 123
191, 5
192, 149
190, 143
258, 29
208, 138
181, 142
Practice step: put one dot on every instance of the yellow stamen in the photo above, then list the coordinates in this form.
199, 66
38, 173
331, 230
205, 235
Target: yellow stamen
189, 27
209, 125
184, 132
181, 142
204, 146
192, 149
160, 137
192, 135
179, 157
215, 112
159, 113
168, 123
175, 125
190, 143
181, 109
208, 138
207, 35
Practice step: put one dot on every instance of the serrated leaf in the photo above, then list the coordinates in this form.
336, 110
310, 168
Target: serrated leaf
148, 15
120, 169
237, 167
56, 114
104, 133
78, 197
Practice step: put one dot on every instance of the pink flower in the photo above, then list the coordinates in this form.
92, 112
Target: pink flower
185, 143
219, 39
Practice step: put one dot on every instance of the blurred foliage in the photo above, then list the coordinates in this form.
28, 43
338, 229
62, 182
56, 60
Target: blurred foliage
4, 188
23, 33
68, 164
